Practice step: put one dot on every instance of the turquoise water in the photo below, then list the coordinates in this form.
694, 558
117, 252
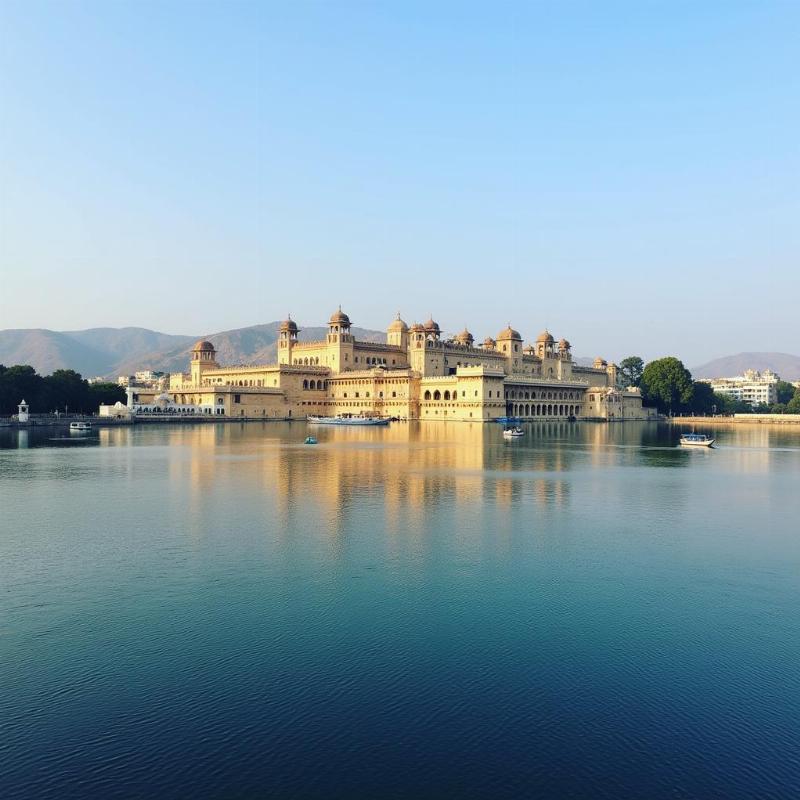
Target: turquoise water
421, 611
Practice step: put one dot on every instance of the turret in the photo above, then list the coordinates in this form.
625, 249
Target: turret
287, 339
203, 359
397, 333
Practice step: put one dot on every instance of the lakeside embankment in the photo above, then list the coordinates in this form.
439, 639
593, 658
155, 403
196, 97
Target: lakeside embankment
739, 419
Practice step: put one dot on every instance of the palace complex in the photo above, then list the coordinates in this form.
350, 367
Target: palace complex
415, 374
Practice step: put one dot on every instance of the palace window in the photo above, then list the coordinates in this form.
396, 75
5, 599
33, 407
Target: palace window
394, 394
427, 395
237, 398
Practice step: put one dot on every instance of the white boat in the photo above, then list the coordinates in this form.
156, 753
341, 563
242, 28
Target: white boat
348, 420
696, 440
513, 433
80, 427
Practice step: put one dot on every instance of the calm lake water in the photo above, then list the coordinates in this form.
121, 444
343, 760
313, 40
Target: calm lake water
421, 611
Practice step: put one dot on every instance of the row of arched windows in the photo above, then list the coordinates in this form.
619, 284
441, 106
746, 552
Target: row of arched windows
544, 410
520, 395
315, 385
306, 362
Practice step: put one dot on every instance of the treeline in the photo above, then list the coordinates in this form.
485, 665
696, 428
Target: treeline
64, 390
669, 386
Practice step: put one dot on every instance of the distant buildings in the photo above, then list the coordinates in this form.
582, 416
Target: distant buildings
754, 388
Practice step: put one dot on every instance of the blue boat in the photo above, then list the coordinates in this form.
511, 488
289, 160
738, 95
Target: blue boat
508, 420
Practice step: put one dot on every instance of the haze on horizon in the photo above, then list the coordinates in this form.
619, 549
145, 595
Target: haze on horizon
625, 174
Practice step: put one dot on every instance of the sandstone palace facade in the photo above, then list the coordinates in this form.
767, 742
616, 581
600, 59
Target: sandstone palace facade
415, 374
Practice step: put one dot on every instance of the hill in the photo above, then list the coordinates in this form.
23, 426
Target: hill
110, 352
783, 364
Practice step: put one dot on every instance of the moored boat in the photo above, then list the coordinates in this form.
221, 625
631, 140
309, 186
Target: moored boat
80, 427
348, 420
513, 433
310, 440
696, 440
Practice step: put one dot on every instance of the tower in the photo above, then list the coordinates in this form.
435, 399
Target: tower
204, 358
509, 343
397, 333
340, 342
287, 339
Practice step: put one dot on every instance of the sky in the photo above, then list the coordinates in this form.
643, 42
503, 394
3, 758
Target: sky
624, 174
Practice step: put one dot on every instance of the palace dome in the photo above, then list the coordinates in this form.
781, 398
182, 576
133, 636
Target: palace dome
509, 333
431, 326
339, 318
203, 345
488, 342
416, 328
546, 337
465, 337
289, 325
397, 326
563, 344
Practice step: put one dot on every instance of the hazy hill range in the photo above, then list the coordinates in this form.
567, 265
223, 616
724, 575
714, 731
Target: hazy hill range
256, 344
783, 364
110, 352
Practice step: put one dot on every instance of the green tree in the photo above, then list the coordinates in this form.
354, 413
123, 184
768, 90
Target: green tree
667, 384
793, 406
785, 391
21, 382
67, 389
631, 369
105, 394
703, 398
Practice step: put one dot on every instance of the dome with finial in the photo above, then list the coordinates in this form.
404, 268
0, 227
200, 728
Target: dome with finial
203, 346
397, 326
339, 318
431, 326
509, 333
489, 343
563, 344
416, 328
546, 337
465, 337
288, 325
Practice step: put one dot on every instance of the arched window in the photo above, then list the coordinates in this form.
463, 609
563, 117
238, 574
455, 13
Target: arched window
446, 394
305, 384
427, 395
437, 395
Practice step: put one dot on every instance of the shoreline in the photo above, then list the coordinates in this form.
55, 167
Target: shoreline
738, 419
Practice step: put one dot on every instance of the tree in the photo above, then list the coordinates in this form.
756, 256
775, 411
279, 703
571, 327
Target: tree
793, 406
667, 384
105, 394
785, 391
631, 369
703, 398
21, 382
66, 388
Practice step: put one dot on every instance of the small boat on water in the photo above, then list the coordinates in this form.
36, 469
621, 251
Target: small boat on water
310, 440
348, 420
508, 420
80, 427
696, 440
513, 433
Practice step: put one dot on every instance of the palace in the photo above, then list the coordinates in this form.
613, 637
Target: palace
416, 374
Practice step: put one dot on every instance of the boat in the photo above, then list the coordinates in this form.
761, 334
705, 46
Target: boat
310, 440
696, 440
348, 420
513, 433
508, 420
80, 427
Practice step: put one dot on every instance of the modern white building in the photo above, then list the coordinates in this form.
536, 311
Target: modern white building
753, 387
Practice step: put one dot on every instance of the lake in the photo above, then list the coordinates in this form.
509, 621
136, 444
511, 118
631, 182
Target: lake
424, 610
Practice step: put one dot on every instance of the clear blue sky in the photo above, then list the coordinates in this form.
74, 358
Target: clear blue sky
625, 173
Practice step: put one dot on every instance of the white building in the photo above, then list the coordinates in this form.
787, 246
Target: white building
754, 388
